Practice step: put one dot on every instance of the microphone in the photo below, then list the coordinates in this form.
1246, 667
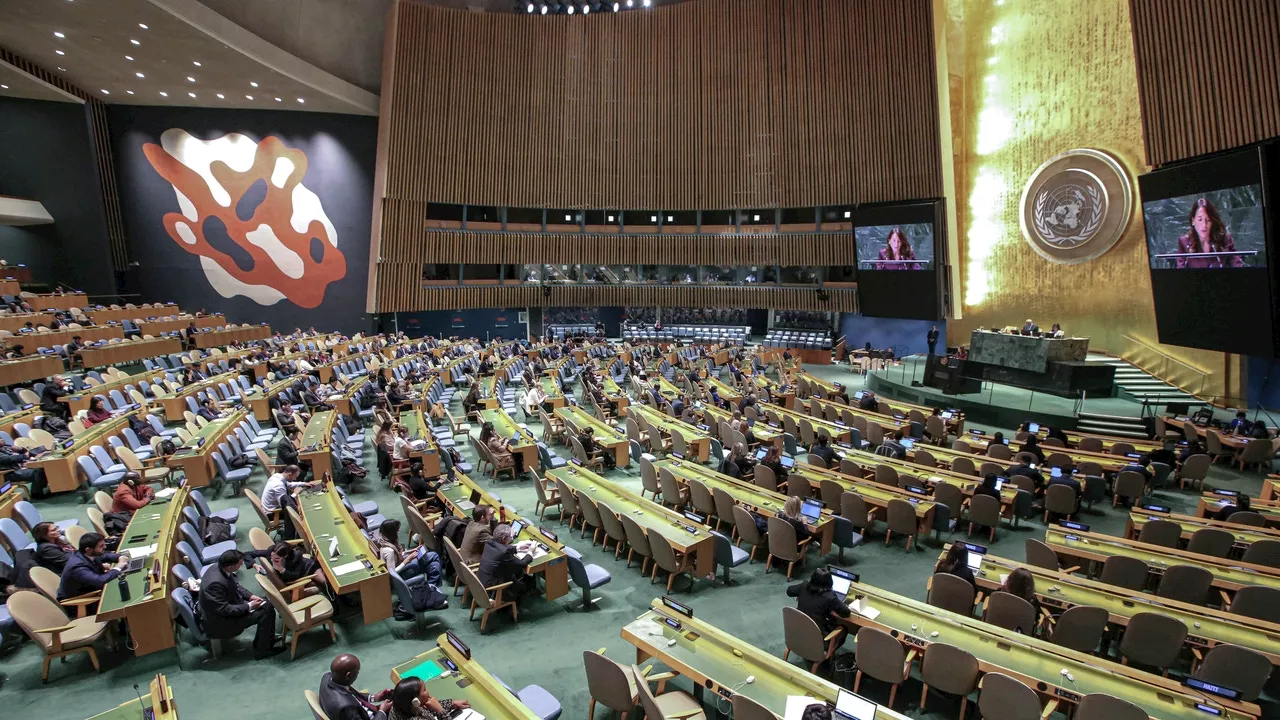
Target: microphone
142, 704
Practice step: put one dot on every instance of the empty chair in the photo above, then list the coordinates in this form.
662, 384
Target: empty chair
674, 704
951, 593
31, 517
666, 558
1263, 552
610, 684
902, 520
1010, 612
1079, 628
881, 656
613, 529
1125, 572
727, 555
1247, 517
637, 543
15, 537
948, 669
1211, 541
208, 554
588, 577
50, 628
1101, 705
1153, 640
1005, 698
1185, 583
1164, 533
1041, 555
805, 638
853, 507
1235, 667
745, 525
1194, 470
1257, 601
963, 465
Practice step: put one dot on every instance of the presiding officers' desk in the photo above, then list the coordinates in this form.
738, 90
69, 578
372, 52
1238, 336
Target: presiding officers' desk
1060, 590
463, 494
1228, 575
159, 700
606, 436
1025, 352
195, 456
713, 659
128, 351
152, 532
1037, 663
649, 515
26, 369
450, 671
348, 562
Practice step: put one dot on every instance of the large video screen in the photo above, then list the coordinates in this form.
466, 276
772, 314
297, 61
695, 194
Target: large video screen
1213, 230
1207, 224
895, 247
898, 259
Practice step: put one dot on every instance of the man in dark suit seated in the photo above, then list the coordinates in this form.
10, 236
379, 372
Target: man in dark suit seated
824, 451
1025, 470
227, 608
502, 562
341, 701
1070, 481
1030, 328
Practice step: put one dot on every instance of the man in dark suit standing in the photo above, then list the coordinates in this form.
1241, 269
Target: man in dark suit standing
227, 608
933, 340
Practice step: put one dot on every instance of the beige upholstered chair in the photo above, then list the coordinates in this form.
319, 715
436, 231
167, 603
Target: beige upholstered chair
805, 638
300, 616
50, 628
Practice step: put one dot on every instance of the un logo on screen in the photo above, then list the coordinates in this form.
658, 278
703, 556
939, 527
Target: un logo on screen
1075, 206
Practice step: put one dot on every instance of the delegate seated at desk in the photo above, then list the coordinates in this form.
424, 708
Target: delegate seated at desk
815, 598
131, 494
412, 700
52, 548
502, 562
1030, 328
86, 570
14, 459
341, 701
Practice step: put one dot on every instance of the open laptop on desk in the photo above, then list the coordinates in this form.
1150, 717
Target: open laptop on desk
811, 510
841, 581
853, 707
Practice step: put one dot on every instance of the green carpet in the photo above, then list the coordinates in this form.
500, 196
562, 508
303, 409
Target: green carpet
544, 648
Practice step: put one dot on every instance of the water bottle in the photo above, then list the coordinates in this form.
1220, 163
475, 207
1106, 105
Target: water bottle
123, 584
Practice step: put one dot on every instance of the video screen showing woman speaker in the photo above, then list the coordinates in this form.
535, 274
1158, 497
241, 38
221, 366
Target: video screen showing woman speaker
1213, 230
895, 247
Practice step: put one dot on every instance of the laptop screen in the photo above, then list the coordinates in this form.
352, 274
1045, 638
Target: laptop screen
516, 527
946, 415
908, 443
1000, 483
1033, 427
854, 707
974, 559
1055, 472
858, 395
811, 509
841, 580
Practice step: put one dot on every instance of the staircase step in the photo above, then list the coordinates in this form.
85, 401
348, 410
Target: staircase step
1137, 434
1111, 418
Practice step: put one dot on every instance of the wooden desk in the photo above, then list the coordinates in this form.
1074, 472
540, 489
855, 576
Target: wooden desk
316, 439
1206, 628
147, 609
527, 444
81, 398
1037, 663
728, 393
927, 477
419, 429
1075, 436
60, 465
837, 432
159, 698
195, 457
1231, 442
55, 301
14, 322
872, 493
1212, 501
9, 286
463, 494
615, 394
129, 351
722, 663
178, 323
324, 518
8, 500
1245, 535
36, 367
62, 336
753, 497
102, 315
697, 441
606, 435
483, 691
260, 400
175, 405
1228, 575
650, 516
227, 336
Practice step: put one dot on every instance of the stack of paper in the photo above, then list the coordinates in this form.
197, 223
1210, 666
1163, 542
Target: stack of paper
348, 567
796, 705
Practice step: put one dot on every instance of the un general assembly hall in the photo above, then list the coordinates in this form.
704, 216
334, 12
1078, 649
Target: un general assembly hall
661, 359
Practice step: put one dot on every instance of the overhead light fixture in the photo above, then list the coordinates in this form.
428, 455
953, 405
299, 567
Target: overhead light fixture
129, 58
586, 9
544, 9
58, 34
4, 87
848, 214
254, 84
61, 69
221, 96
143, 26
135, 42
653, 218
129, 91
140, 75
755, 218
190, 79
615, 9
570, 9
248, 97
279, 100
191, 94
164, 94
631, 3
647, 3
301, 101
60, 52
611, 220
529, 9
106, 92
196, 63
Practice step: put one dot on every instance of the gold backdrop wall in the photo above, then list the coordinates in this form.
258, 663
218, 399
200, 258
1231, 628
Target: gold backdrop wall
1030, 80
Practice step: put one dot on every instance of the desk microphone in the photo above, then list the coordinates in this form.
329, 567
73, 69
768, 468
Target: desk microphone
147, 713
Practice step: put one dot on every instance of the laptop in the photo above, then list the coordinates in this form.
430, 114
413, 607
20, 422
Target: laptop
788, 462
1055, 472
811, 509
974, 559
1000, 483
946, 415
516, 527
853, 707
908, 443
1033, 427
841, 581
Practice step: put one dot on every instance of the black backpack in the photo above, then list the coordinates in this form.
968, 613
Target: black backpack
214, 530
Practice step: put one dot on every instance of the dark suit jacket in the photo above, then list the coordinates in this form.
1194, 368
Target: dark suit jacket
339, 702
818, 606
499, 564
223, 602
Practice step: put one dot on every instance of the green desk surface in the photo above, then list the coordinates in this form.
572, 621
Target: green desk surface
210, 430
485, 694
1040, 660
610, 386
318, 429
647, 514
1213, 503
326, 518
1158, 558
670, 424
131, 710
835, 430
725, 391
741, 491
1059, 591
1243, 534
93, 436
966, 483
870, 491
419, 429
550, 387
604, 432
146, 528
506, 427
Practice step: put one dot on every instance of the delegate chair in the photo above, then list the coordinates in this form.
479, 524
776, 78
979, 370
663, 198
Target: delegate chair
1153, 640
1080, 628
783, 545
1235, 667
804, 638
666, 706
50, 628
587, 577
1002, 697
881, 656
951, 593
310, 612
610, 684
947, 668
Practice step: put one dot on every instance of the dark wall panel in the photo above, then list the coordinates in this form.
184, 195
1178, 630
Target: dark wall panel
485, 323
45, 155
276, 224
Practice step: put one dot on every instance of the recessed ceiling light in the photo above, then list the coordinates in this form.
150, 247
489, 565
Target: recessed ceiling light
196, 63
129, 91
129, 58
58, 34
106, 92
278, 100
221, 96
4, 87
191, 94
254, 84
248, 97
301, 101
140, 75
135, 42
190, 79
60, 52
61, 69
164, 94
143, 26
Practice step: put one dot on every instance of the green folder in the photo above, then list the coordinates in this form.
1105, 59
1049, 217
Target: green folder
425, 671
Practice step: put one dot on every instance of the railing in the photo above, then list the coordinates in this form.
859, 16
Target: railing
1186, 377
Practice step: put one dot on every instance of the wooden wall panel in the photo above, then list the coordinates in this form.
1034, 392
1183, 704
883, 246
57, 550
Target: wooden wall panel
1208, 74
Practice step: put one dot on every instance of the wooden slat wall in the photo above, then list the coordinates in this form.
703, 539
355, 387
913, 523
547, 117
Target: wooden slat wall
406, 281
1208, 74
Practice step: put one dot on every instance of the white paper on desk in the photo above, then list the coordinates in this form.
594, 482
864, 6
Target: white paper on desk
796, 705
348, 567
862, 608
142, 551
1003, 578
469, 714
167, 492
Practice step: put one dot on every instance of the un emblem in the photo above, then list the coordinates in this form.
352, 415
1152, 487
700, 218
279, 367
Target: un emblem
1075, 206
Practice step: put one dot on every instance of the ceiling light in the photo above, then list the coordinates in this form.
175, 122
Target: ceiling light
653, 218
106, 92
164, 94
129, 91
58, 34
143, 26
570, 9
755, 218
301, 101
61, 69
129, 58
611, 220
191, 94
190, 79
279, 100
196, 63
254, 84
631, 3
544, 9
586, 9
140, 75
848, 214
647, 3
615, 9
566, 217
4, 87
529, 9
221, 96
250, 97
60, 52
135, 42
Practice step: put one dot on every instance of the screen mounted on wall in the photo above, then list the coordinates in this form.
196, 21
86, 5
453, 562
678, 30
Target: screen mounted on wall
1210, 230
897, 255
895, 247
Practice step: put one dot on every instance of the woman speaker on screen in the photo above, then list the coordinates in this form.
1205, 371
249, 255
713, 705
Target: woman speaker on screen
1206, 235
897, 248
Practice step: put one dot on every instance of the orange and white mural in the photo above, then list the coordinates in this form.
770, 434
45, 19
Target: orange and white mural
286, 246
